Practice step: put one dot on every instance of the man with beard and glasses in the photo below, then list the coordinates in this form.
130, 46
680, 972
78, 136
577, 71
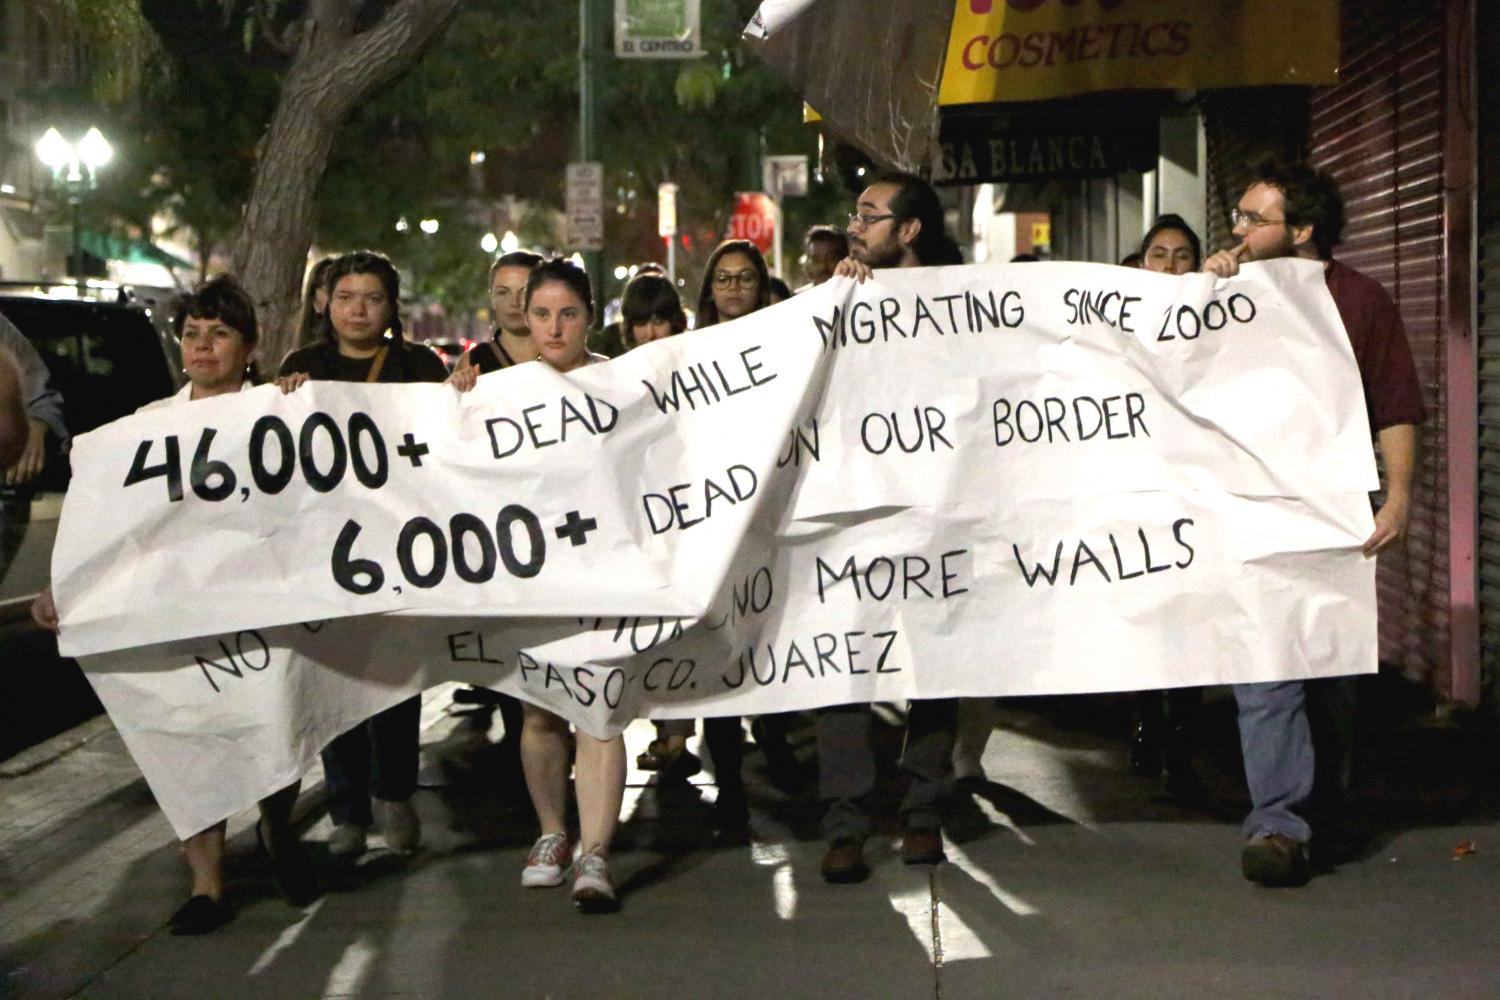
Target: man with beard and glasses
897, 222
1292, 210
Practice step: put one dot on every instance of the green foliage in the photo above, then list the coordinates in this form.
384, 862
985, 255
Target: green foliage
502, 79
120, 46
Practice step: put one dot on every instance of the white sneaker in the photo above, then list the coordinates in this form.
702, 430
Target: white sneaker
547, 861
348, 840
400, 823
593, 892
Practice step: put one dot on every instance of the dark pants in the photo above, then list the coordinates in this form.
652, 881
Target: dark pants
846, 766
377, 757
726, 748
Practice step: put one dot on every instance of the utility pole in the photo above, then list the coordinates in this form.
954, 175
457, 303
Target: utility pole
590, 66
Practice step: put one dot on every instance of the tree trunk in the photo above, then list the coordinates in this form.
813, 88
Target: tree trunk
331, 73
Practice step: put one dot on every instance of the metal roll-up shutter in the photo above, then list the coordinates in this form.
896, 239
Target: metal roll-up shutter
1379, 131
1488, 230
1242, 126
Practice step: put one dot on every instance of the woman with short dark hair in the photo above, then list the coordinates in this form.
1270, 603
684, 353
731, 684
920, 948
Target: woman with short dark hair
651, 309
216, 326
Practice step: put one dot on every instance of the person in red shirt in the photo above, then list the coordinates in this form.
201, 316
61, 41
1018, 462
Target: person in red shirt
1292, 210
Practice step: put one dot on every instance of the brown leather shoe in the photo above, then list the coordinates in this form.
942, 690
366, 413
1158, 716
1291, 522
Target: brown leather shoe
922, 847
844, 863
1275, 860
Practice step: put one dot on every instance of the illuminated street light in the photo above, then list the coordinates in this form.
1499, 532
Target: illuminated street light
75, 170
510, 242
621, 272
53, 150
94, 150
476, 158
429, 226
488, 243
402, 225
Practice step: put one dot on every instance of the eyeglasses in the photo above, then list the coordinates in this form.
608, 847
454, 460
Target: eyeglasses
744, 279
865, 221
1252, 220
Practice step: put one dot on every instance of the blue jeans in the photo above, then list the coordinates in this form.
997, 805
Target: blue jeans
1276, 741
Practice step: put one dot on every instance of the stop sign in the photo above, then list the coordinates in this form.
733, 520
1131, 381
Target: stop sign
754, 219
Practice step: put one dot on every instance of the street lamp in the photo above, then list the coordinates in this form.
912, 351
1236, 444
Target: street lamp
75, 168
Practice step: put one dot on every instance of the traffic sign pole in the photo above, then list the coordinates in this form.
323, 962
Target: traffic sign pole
590, 64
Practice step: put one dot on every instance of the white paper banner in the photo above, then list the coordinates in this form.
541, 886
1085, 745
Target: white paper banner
772, 15
1002, 480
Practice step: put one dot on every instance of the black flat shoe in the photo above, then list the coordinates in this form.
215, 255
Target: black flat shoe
200, 915
290, 864
731, 813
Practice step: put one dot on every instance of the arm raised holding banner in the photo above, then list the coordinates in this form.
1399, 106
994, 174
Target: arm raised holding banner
1293, 210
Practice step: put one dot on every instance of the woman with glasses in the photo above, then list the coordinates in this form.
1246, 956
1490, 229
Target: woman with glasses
736, 282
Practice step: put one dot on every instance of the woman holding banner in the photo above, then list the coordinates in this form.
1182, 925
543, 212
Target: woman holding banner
362, 342
217, 328
736, 282
559, 311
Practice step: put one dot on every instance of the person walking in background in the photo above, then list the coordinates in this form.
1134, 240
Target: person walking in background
12, 410
651, 309
46, 433
511, 343
310, 324
822, 249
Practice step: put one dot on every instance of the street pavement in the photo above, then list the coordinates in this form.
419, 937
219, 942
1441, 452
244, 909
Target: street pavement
1067, 876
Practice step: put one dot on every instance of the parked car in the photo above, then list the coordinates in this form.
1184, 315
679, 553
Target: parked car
448, 351
107, 359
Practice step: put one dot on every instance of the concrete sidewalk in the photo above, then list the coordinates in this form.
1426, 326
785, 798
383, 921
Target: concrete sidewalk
1067, 876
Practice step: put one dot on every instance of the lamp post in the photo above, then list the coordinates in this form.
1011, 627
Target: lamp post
75, 168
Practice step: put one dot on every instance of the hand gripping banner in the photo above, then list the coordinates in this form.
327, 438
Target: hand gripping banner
1018, 479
